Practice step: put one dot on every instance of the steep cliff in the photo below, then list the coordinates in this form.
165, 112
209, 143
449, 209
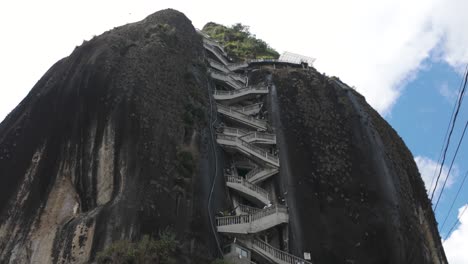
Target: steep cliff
353, 189
117, 141
112, 143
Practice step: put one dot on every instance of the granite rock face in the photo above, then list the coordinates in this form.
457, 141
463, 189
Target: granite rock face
116, 141
112, 143
353, 189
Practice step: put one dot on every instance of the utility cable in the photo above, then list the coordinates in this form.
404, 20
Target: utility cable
456, 222
212, 123
459, 101
451, 165
454, 200
447, 131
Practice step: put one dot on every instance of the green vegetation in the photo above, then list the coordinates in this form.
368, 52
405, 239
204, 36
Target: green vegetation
147, 250
239, 43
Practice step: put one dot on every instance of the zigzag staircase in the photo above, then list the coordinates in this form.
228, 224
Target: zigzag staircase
253, 223
251, 139
247, 120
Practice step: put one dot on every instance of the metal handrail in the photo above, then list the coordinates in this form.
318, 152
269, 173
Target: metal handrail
257, 150
238, 65
264, 60
250, 186
214, 43
234, 130
218, 65
253, 172
266, 136
245, 219
249, 107
241, 116
226, 137
203, 33
227, 78
239, 77
243, 90
253, 61
258, 170
212, 49
279, 254
231, 74
210, 43
248, 209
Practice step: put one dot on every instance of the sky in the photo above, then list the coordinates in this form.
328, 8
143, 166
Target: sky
406, 58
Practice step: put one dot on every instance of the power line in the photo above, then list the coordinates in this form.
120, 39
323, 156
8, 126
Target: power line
451, 165
453, 202
456, 222
447, 131
459, 101
213, 145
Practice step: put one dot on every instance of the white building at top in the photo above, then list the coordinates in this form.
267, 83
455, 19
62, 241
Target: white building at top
296, 58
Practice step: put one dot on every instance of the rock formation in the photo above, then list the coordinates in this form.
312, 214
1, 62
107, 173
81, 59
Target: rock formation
123, 138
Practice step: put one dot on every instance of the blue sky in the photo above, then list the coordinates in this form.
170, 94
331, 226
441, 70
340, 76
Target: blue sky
403, 56
421, 116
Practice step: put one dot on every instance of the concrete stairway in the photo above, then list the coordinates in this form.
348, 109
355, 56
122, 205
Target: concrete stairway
235, 96
260, 138
242, 118
274, 254
246, 210
215, 52
227, 79
237, 66
248, 149
250, 191
249, 109
260, 174
241, 65
222, 68
234, 131
250, 136
244, 163
245, 64
215, 44
253, 223
218, 66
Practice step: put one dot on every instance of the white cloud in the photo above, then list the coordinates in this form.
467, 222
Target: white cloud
449, 93
456, 244
373, 45
449, 17
427, 168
